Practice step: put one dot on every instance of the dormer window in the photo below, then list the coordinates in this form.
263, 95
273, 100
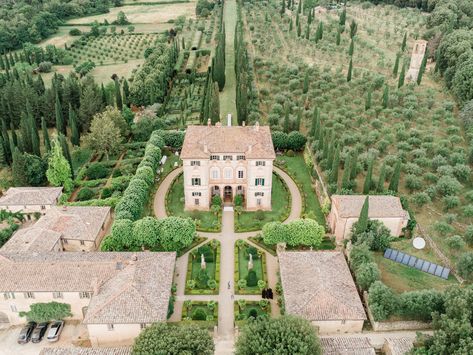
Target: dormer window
240, 157
260, 163
214, 157
195, 163
227, 157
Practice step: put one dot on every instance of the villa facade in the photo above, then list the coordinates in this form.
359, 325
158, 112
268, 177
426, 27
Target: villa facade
228, 161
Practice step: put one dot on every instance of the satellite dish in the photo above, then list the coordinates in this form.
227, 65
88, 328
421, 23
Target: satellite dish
418, 243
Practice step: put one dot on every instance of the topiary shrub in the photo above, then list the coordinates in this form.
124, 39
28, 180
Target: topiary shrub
251, 250
208, 253
199, 314
106, 192
253, 313
85, 194
97, 171
251, 279
202, 278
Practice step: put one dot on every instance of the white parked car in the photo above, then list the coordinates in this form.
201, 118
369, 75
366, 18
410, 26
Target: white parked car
55, 330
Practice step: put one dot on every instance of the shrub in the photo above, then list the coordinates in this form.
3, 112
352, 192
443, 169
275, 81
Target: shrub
421, 304
45, 67
360, 254
455, 242
199, 314
377, 235
97, 171
85, 194
75, 32
202, 278
251, 279
382, 300
465, 266
366, 274
238, 200
253, 313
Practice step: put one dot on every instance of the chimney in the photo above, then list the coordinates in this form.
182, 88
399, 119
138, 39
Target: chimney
257, 126
209, 122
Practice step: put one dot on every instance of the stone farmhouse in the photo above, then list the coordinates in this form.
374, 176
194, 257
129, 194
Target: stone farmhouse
228, 161
398, 346
86, 351
115, 295
63, 228
318, 286
30, 200
346, 210
348, 346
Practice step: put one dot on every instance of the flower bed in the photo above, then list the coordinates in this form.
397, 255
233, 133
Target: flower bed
255, 279
201, 281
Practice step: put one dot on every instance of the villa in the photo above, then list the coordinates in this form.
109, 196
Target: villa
30, 200
228, 161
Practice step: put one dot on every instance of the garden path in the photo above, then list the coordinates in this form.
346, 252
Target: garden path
227, 96
227, 238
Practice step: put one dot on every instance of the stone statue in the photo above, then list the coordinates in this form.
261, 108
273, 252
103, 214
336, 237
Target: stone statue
250, 262
202, 262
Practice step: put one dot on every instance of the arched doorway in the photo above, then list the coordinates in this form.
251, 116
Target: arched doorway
228, 194
215, 190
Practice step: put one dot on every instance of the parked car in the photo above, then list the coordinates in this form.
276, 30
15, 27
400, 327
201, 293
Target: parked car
55, 330
39, 331
25, 333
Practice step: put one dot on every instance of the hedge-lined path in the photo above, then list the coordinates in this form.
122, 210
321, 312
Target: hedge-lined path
227, 238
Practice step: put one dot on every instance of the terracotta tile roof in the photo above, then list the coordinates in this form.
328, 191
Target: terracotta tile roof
399, 346
32, 239
253, 141
379, 206
346, 346
86, 351
80, 223
24, 196
318, 286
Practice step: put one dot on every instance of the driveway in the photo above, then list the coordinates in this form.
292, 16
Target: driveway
9, 346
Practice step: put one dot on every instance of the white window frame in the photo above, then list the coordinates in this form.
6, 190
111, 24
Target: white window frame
260, 163
197, 202
215, 157
58, 295
228, 173
215, 173
28, 295
199, 194
241, 157
228, 157
259, 194
196, 181
84, 295
240, 172
110, 327
195, 163
259, 181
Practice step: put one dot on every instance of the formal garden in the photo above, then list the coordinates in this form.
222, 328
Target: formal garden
250, 269
246, 221
205, 314
206, 221
245, 310
203, 269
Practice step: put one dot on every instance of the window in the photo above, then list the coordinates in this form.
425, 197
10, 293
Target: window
214, 157
215, 174
227, 157
9, 295
57, 295
240, 174
228, 173
82, 242
195, 163
143, 325
110, 327
64, 241
258, 201
259, 194
197, 194
260, 163
196, 202
259, 182
84, 295
28, 295
195, 181
240, 157
13, 308
43, 207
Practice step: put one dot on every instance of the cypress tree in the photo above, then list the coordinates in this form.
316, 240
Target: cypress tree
60, 126
34, 136
2, 63
307, 31
422, 67
19, 168
75, 136
104, 96
286, 119
381, 178
368, 178
362, 223
126, 93
402, 76
297, 19
343, 17
219, 71
351, 49
214, 104
333, 179
299, 29
325, 145
65, 149
118, 95
25, 130
283, 7
353, 29
305, 87
331, 154
350, 69
368, 100
321, 144
386, 96
404, 42
338, 39
6, 141
3, 155
309, 17
396, 64
394, 183
320, 32
298, 120
354, 165
290, 25
46, 140
13, 135
314, 123
299, 7
346, 173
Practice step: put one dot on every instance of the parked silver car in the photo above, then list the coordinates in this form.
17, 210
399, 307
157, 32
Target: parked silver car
25, 333
39, 331
55, 330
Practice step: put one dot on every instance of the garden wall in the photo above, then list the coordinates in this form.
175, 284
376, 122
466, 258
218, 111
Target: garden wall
393, 325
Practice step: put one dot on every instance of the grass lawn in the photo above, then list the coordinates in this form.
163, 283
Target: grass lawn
206, 221
281, 207
196, 310
250, 307
241, 268
297, 168
194, 269
402, 278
